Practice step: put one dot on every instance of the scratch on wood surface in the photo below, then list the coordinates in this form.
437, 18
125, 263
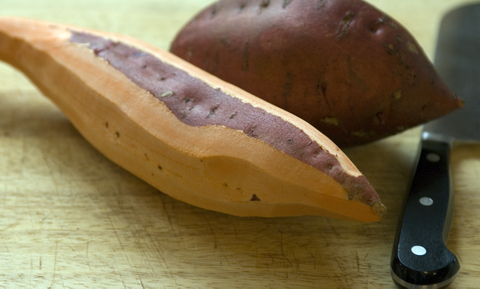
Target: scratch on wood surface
297, 264
169, 218
11, 226
339, 265
357, 259
123, 283
164, 259
3, 190
344, 272
333, 229
215, 241
86, 256
216, 244
54, 265
11, 260
137, 239
123, 250
312, 256
282, 249
45, 217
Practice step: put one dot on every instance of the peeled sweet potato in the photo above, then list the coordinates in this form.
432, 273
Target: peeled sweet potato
187, 133
345, 67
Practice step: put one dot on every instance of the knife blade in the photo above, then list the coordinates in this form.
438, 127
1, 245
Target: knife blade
420, 258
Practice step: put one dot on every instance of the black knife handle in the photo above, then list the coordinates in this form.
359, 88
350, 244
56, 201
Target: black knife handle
420, 258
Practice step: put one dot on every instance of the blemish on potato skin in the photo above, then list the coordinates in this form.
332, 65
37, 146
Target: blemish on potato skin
424, 108
320, 4
167, 93
321, 87
212, 111
349, 196
215, 61
331, 120
189, 52
214, 10
245, 55
344, 25
378, 120
412, 47
393, 24
287, 87
376, 27
362, 134
285, 3
355, 76
397, 94
251, 131
264, 4
243, 5
390, 48
224, 40
254, 198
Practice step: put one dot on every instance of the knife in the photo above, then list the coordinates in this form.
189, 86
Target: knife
420, 258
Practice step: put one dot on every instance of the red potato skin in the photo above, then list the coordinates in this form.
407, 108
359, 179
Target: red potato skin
345, 67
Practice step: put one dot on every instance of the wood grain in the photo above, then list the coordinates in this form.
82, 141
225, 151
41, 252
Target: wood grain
69, 218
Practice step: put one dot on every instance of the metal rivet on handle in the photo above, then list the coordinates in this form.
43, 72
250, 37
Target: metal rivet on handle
433, 157
426, 201
419, 250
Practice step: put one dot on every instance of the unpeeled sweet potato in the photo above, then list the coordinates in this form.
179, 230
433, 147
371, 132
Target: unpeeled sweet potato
345, 67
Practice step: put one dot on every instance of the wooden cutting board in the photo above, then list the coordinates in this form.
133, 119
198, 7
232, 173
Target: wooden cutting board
69, 218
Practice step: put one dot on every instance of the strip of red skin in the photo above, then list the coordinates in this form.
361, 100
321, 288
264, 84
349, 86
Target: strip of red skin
197, 104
